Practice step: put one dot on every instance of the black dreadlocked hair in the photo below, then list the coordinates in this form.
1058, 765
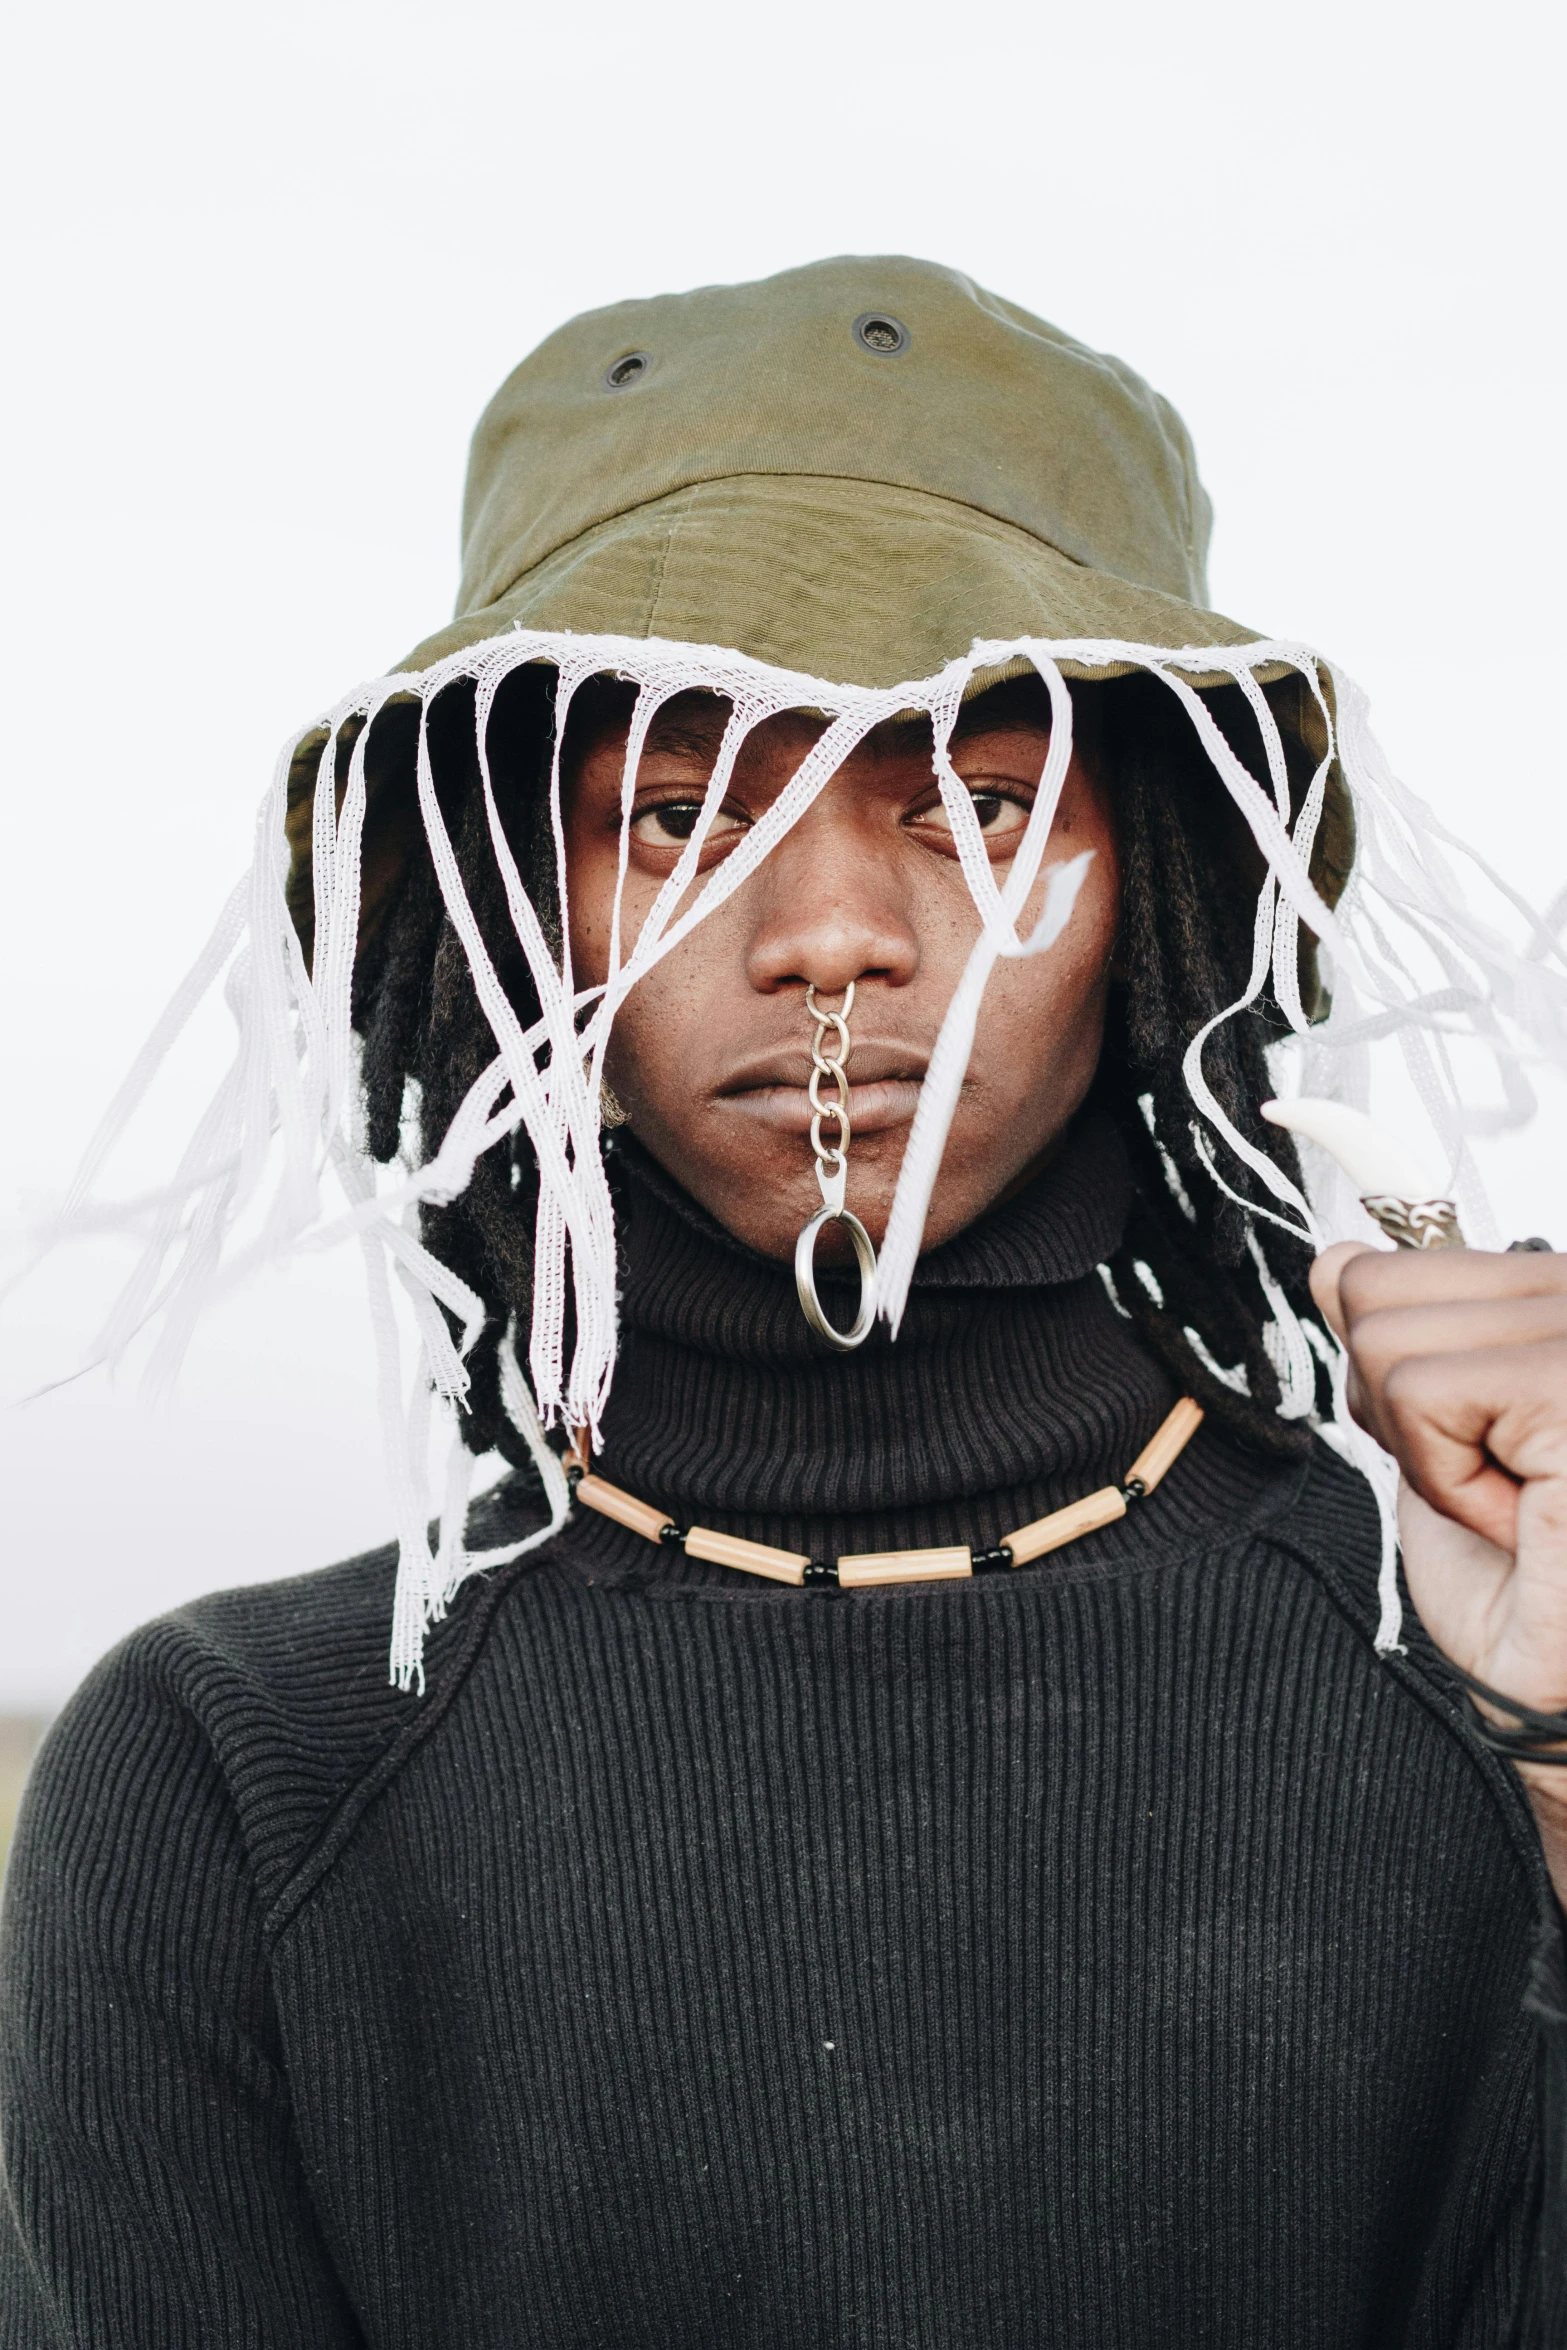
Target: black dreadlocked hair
1185, 1273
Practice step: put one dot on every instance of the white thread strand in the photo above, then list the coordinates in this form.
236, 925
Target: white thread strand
278, 1161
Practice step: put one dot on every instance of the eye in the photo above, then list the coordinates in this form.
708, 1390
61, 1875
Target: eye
1000, 813
675, 822
672, 822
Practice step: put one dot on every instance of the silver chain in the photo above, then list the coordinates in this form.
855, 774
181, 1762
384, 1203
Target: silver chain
832, 1162
832, 1172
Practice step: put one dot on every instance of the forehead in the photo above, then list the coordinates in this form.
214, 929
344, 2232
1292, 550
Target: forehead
691, 725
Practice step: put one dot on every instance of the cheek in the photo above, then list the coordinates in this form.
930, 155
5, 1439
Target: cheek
656, 1051
1099, 904
592, 867
1049, 1006
1082, 955
587, 919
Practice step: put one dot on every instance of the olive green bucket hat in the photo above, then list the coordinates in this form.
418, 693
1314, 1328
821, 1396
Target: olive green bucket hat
851, 472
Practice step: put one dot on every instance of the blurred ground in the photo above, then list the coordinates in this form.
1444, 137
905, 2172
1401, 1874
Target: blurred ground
19, 1736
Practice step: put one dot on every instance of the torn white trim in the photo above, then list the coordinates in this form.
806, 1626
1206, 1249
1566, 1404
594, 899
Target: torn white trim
280, 1147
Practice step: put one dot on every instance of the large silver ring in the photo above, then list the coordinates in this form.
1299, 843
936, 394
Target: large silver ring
805, 1279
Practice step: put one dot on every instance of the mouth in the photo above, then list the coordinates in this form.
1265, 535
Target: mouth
884, 1090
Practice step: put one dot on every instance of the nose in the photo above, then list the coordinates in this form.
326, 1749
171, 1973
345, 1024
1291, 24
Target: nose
829, 909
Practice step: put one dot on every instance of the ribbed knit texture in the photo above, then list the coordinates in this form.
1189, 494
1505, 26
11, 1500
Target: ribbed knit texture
1111, 1953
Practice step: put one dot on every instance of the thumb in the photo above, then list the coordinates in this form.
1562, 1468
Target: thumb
1326, 1274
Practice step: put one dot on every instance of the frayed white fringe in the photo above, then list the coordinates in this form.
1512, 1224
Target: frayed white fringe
1402, 955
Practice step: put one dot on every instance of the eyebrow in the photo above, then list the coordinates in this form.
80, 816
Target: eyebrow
687, 738
974, 719
699, 735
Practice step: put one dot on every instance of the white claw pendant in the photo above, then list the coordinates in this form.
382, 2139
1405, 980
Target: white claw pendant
1395, 1190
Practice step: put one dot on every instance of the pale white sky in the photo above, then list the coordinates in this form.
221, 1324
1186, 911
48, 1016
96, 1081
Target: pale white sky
264, 268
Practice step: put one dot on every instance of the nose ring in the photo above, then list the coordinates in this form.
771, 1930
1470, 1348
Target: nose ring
832, 1174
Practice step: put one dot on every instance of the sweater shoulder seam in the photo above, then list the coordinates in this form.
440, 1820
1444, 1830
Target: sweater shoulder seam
1417, 1685
340, 1823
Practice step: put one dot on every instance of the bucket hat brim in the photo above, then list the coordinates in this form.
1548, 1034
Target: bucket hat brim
857, 581
835, 578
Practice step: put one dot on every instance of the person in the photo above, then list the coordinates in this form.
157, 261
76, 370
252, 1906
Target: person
915, 1813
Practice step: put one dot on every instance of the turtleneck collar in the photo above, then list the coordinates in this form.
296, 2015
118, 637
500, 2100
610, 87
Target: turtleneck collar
1014, 1384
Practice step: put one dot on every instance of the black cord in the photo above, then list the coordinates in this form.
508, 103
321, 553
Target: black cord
1539, 1737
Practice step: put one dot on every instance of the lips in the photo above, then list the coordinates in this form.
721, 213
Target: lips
891, 1101
884, 1089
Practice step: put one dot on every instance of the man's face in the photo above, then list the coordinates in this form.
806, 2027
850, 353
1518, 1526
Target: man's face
710, 1054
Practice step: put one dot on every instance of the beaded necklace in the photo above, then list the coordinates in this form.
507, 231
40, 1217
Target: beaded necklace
861, 1568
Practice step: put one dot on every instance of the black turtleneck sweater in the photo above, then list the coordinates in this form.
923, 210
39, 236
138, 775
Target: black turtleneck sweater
1113, 1952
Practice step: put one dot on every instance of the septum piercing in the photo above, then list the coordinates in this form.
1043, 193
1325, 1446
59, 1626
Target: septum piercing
832, 1173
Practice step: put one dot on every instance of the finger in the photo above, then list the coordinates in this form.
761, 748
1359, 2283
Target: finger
1455, 1578
1325, 1277
1500, 1615
1380, 1339
1376, 1278
1470, 1429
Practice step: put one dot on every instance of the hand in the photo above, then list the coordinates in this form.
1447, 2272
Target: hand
1458, 1368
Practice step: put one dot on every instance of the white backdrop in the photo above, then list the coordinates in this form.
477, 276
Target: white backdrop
266, 266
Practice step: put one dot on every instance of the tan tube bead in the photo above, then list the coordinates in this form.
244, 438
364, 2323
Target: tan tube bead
903, 1566
752, 1558
1079, 1517
624, 1508
1166, 1445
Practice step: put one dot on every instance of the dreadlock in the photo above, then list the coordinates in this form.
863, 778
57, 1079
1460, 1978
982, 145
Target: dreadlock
424, 1034
1192, 1271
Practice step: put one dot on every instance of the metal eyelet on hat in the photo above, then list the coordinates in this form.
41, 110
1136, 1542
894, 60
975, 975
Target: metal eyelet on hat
621, 374
881, 334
